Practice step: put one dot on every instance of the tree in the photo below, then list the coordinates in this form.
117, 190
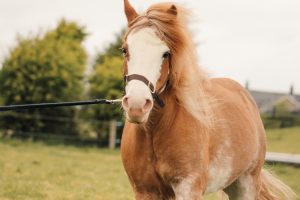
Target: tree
106, 81
46, 68
282, 109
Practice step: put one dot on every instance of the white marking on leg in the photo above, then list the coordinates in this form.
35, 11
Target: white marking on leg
184, 189
247, 188
220, 169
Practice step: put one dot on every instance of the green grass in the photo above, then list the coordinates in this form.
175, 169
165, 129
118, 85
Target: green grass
284, 140
37, 171
288, 174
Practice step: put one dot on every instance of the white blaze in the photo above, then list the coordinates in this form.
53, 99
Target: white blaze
146, 51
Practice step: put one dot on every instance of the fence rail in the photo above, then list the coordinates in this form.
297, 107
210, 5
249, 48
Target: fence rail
271, 157
284, 158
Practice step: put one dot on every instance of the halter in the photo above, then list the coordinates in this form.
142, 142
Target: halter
154, 93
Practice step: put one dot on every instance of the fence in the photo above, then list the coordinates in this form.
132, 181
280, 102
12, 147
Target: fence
284, 158
110, 136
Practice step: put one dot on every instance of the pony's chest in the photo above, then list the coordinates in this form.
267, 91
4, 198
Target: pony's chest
147, 167
144, 174
140, 164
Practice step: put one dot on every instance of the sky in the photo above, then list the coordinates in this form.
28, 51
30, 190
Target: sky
247, 40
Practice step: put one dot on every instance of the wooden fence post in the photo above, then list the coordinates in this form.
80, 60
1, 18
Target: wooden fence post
112, 134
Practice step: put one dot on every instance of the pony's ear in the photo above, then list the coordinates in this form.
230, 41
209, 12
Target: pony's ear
130, 12
172, 10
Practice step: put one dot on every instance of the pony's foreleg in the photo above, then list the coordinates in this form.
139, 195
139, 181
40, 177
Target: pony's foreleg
147, 196
188, 188
244, 188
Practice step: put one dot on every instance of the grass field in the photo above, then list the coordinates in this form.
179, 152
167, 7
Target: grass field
37, 171
284, 140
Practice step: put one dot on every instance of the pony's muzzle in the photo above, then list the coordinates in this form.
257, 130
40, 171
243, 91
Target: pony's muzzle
137, 109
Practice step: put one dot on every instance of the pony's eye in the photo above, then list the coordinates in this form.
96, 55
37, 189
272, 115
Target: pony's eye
166, 54
124, 51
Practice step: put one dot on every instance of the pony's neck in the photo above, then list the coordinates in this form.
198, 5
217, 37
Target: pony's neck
161, 119
186, 94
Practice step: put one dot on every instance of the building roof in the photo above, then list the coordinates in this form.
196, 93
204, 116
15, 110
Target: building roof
269, 99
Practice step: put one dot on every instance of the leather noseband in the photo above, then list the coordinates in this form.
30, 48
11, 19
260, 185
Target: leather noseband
154, 93
143, 79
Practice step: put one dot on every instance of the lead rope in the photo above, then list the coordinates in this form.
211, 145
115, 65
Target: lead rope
60, 104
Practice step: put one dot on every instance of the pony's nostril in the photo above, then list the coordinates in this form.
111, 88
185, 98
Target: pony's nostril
125, 102
133, 105
148, 105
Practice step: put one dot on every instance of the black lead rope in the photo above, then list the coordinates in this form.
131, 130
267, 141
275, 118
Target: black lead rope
52, 105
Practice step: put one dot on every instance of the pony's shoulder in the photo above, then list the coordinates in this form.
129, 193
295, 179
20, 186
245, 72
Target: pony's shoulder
230, 91
226, 83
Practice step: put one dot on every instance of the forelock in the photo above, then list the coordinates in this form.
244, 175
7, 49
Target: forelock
167, 26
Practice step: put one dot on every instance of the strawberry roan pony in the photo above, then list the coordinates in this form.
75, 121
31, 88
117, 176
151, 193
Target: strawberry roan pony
187, 135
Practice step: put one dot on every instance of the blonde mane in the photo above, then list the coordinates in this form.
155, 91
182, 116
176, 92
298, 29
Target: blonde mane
187, 78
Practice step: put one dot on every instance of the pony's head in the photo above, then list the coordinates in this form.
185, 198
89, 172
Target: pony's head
147, 51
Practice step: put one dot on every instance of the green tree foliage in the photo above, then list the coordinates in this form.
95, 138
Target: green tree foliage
283, 109
47, 68
106, 81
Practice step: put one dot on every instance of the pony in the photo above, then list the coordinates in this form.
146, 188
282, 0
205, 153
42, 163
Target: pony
187, 135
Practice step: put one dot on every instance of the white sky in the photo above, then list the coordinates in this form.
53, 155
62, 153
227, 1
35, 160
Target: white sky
255, 40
